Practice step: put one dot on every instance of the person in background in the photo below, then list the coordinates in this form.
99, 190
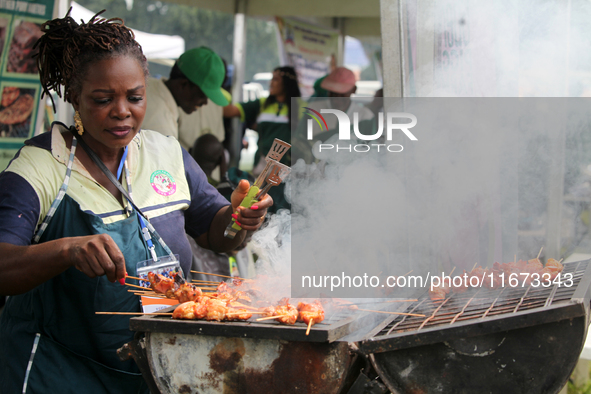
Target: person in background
208, 152
318, 90
272, 118
195, 79
70, 229
340, 85
208, 119
377, 104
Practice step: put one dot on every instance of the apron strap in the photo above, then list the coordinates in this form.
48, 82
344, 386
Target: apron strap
60, 195
118, 185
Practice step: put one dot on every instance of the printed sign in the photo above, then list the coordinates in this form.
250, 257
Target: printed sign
20, 28
309, 49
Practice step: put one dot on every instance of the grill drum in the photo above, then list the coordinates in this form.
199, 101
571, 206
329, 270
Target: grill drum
182, 363
522, 340
189, 356
536, 359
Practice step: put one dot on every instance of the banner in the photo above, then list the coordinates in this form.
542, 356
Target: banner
309, 49
20, 27
466, 55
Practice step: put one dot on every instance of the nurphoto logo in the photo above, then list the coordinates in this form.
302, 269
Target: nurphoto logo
344, 130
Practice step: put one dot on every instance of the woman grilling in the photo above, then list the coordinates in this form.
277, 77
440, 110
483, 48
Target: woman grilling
70, 230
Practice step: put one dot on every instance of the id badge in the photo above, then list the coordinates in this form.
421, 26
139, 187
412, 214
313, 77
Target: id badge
165, 266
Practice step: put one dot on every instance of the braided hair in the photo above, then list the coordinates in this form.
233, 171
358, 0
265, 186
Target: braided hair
67, 48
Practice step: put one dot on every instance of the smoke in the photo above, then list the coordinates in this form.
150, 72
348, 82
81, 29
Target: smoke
272, 247
487, 178
505, 48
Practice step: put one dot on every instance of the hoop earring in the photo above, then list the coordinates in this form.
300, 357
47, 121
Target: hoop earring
78, 123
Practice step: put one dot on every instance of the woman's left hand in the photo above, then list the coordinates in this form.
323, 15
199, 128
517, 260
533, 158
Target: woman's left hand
249, 219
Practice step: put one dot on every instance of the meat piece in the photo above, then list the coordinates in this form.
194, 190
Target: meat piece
216, 310
226, 297
478, 272
185, 311
242, 295
202, 299
223, 288
187, 292
269, 311
226, 288
289, 314
518, 266
311, 311
535, 264
464, 286
236, 314
547, 274
161, 284
554, 265
200, 310
497, 280
438, 293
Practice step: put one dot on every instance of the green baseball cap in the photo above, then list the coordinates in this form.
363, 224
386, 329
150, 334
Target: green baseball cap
205, 68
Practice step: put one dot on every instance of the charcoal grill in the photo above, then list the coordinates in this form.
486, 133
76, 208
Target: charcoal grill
195, 356
511, 340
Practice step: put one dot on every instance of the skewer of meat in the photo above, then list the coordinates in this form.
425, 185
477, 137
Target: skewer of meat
236, 314
270, 317
161, 284
187, 292
492, 278
284, 312
310, 314
175, 287
313, 311
210, 309
439, 292
224, 287
216, 309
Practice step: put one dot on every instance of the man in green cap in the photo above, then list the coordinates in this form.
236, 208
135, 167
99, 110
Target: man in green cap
195, 77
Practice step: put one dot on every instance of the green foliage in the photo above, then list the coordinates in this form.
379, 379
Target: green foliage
582, 389
199, 27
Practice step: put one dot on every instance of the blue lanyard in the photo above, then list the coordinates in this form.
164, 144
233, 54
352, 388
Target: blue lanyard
145, 231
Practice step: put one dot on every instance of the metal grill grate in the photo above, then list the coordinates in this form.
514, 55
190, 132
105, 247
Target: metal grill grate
483, 310
333, 327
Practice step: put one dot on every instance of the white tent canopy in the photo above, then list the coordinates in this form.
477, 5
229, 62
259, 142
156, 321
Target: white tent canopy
154, 46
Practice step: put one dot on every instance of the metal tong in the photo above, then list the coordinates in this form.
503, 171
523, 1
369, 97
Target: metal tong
272, 175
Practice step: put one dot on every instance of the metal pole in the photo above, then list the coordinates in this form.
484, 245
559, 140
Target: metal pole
239, 57
338, 23
283, 61
557, 152
391, 47
425, 48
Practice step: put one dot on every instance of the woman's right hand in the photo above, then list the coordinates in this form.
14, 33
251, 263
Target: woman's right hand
23, 267
97, 255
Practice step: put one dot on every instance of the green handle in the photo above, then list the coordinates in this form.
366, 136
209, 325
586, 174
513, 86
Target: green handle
246, 203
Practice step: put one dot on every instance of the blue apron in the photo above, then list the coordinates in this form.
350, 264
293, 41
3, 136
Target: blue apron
51, 340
